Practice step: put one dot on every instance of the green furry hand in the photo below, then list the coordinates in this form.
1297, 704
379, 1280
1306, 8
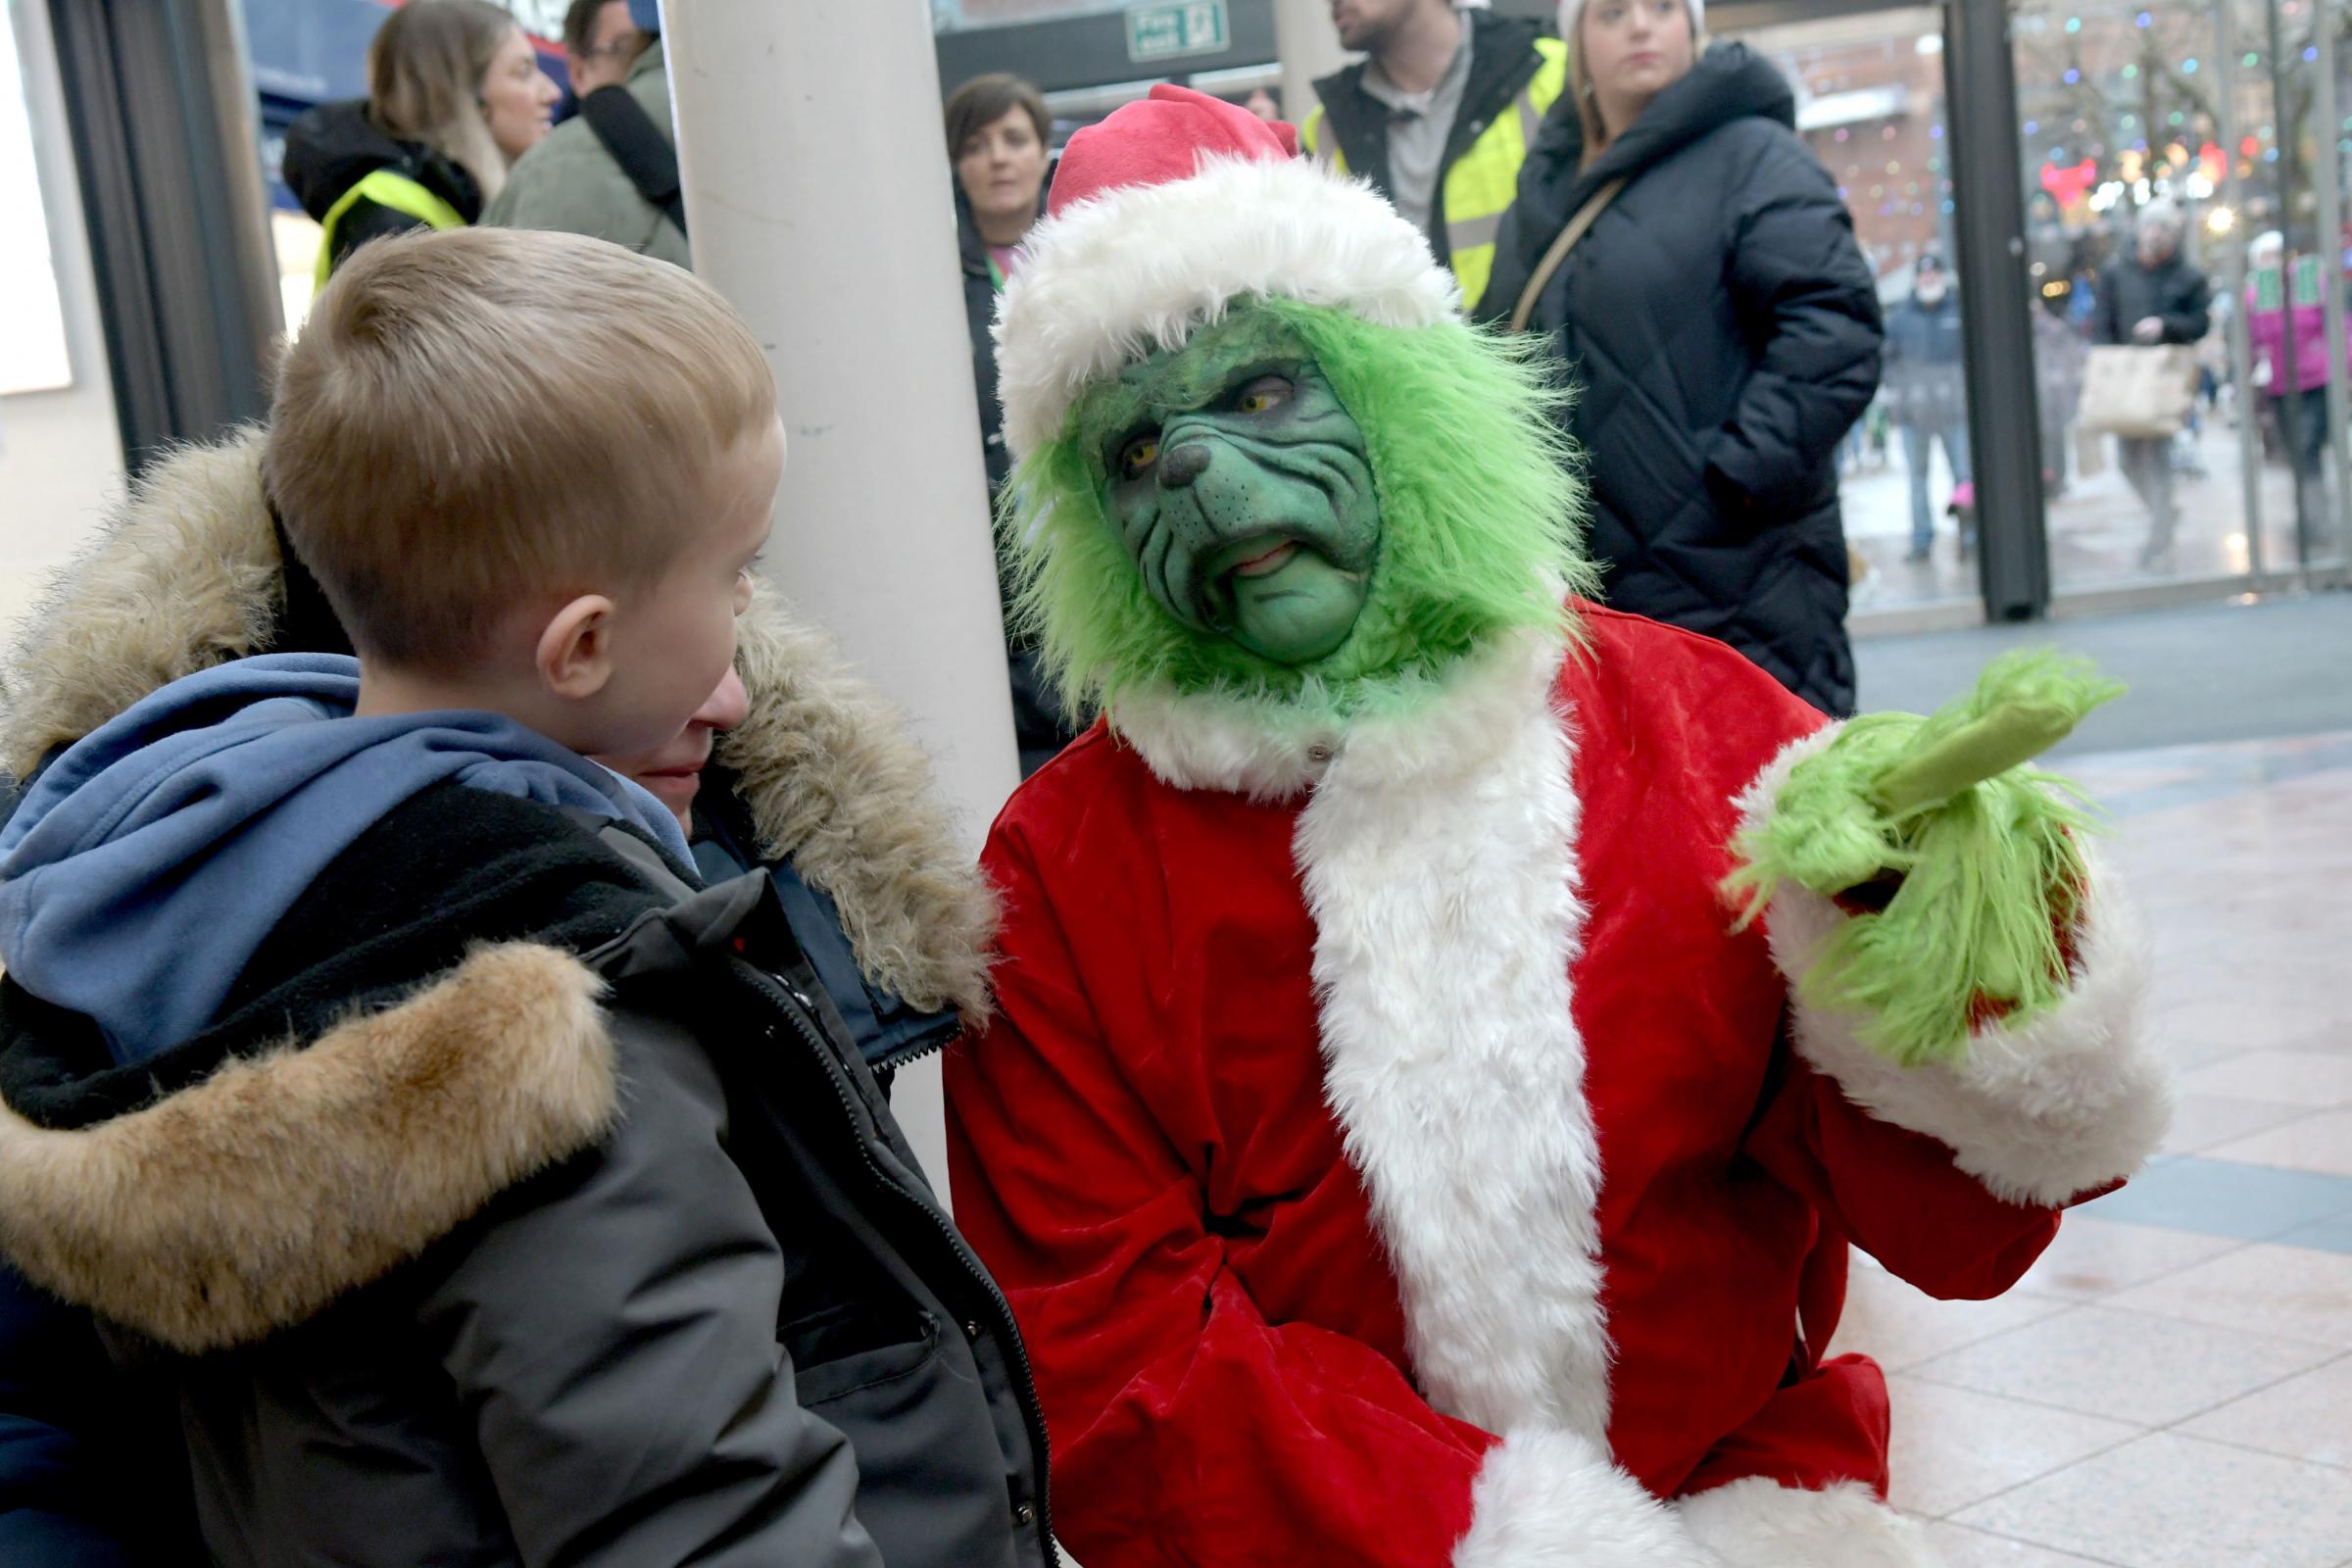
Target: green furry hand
1980, 848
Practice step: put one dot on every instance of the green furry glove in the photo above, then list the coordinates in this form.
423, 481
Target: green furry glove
1980, 848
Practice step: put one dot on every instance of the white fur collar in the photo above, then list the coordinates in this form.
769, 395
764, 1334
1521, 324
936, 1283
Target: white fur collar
1270, 751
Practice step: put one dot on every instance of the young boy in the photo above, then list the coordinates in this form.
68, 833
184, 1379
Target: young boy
491, 1193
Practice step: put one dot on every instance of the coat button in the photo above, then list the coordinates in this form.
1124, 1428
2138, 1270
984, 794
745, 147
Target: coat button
971, 1328
1025, 1514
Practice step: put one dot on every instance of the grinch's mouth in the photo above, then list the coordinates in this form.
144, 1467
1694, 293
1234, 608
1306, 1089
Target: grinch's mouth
1268, 563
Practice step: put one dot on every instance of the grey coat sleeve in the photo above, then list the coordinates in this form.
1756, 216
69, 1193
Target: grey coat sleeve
1799, 282
611, 1327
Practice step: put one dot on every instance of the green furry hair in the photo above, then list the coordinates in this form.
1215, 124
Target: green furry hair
1480, 528
1987, 852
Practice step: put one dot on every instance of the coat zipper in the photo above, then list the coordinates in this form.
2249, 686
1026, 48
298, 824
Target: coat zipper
1031, 1415
907, 1057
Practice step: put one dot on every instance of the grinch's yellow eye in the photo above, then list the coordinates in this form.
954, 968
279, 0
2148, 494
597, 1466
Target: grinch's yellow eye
1140, 454
1266, 393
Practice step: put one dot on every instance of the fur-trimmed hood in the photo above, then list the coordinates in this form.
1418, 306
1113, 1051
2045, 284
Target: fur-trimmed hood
248, 1202
187, 574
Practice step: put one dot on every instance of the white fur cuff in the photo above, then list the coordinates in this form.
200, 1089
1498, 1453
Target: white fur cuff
1758, 1523
2040, 1114
1548, 1498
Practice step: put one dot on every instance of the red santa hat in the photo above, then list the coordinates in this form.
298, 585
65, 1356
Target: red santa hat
1163, 216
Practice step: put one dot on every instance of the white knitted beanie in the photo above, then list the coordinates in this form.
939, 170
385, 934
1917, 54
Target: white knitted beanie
1572, 11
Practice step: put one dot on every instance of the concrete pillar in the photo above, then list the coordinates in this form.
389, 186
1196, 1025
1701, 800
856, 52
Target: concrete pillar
1309, 46
817, 194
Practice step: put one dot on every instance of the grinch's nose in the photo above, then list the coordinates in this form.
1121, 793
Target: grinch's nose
1181, 466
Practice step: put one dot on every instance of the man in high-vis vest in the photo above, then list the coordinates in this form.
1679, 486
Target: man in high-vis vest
1438, 116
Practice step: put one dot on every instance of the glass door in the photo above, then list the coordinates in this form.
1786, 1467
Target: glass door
2169, 153
1870, 102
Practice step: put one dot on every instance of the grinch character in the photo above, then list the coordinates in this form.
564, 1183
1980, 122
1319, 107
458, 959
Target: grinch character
1449, 1034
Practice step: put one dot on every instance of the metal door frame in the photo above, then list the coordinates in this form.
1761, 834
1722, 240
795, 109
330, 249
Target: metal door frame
160, 111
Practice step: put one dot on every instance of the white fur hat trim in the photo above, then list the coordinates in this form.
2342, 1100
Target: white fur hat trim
1142, 267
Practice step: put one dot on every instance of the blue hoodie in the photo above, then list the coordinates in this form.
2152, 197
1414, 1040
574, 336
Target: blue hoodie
146, 865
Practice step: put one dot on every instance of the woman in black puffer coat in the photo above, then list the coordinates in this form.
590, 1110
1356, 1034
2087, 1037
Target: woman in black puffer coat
1723, 329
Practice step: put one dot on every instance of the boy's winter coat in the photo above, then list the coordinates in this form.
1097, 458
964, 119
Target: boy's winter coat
522, 1204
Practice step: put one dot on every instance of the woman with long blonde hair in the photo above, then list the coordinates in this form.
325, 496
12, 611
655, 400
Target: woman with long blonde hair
1691, 261
454, 95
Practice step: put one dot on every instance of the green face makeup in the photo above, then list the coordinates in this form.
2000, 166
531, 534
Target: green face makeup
1240, 487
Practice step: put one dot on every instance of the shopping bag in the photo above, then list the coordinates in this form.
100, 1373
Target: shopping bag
2139, 391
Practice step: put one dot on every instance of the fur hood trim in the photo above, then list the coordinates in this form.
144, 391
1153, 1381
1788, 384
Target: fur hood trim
825, 765
187, 574
249, 1202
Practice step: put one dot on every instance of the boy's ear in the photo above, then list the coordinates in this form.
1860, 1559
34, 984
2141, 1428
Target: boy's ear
575, 656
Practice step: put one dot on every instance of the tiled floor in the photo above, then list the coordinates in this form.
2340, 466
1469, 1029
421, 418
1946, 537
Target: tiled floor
2171, 1385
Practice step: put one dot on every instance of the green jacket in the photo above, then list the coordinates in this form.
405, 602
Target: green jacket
569, 183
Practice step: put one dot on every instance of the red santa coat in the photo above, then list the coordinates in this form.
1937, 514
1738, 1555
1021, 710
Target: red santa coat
1380, 1129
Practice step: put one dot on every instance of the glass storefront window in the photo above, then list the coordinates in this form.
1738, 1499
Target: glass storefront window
1870, 102
2125, 110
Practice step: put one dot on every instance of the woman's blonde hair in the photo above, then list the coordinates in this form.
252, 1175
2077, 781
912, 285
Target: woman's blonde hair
424, 81
1580, 76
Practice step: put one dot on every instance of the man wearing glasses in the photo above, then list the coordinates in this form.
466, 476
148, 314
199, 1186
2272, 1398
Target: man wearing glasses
611, 170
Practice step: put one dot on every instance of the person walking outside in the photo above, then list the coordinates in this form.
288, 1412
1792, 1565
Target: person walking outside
2150, 297
2304, 436
454, 95
1723, 326
998, 133
1438, 116
611, 172
1924, 383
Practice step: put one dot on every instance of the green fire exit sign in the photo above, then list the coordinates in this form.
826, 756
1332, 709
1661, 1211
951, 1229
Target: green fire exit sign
1173, 32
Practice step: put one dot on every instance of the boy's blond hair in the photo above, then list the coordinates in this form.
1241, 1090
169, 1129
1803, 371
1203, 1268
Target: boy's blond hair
476, 419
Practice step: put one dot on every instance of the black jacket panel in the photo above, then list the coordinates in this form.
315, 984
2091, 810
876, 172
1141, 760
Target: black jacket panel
979, 316
1038, 724
1723, 331
334, 146
2174, 292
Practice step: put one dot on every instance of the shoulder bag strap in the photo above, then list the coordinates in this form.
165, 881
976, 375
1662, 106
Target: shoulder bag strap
638, 146
1552, 257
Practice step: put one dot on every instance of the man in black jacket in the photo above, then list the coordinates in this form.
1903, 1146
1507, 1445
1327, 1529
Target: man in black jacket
2153, 296
1438, 117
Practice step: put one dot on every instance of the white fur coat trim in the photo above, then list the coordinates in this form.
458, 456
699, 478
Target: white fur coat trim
1550, 1499
2039, 1114
1758, 1523
1269, 750
1142, 267
1437, 860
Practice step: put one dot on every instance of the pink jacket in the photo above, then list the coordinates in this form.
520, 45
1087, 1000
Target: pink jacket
2266, 333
